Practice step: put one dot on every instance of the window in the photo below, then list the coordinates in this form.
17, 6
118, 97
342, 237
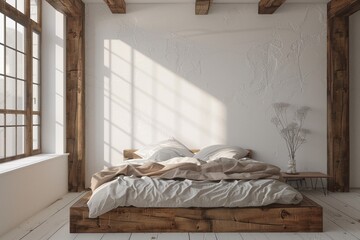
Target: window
20, 83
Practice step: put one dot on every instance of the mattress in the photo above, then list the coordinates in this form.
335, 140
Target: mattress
150, 192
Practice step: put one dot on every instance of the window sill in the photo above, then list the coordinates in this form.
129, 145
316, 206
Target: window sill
28, 161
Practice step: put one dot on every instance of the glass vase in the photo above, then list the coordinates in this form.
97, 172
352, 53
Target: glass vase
291, 165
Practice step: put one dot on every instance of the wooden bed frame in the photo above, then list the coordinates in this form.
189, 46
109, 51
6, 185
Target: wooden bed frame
306, 216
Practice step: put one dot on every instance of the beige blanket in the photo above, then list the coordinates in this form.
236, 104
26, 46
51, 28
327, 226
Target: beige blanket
191, 168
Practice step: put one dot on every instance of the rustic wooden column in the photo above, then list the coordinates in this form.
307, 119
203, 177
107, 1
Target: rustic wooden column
75, 101
338, 93
74, 10
338, 103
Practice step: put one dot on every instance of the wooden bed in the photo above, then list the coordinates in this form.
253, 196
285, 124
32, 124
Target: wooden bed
304, 217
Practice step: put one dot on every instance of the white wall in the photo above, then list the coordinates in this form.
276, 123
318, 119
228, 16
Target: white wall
162, 71
354, 100
27, 190
53, 80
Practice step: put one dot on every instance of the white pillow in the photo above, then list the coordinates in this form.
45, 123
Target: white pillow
164, 150
214, 152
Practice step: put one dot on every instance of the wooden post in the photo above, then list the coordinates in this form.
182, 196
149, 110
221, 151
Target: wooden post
338, 93
75, 101
74, 11
338, 103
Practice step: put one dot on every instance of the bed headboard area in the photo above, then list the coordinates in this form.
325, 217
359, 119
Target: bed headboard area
130, 153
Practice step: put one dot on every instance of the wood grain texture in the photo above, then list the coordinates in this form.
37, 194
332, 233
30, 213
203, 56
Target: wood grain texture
75, 90
18, 16
75, 101
68, 7
342, 7
116, 6
338, 103
202, 7
29, 93
269, 6
304, 217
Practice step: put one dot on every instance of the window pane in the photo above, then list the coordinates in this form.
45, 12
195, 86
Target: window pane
2, 64
10, 119
20, 5
20, 119
10, 32
35, 137
10, 62
35, 45
2, 119
33, 10
20, 140
20, 95
20, 37
36, 119
11, 2
36, 98
10, 141
20, 65
10, 93
35, 70
2, 92
2, 142
2, 27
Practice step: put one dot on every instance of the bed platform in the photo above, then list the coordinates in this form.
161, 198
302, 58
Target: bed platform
307, 216
304, 217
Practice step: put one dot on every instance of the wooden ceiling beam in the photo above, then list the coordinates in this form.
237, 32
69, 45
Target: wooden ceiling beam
342, 7
116, 6
71, 8
202, 7
269, 6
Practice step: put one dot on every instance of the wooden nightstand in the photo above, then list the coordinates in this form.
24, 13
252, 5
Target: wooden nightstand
307, 175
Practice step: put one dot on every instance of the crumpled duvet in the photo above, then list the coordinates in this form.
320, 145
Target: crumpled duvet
191, 168
189, 182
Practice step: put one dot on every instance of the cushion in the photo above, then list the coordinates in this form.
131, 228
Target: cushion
164, 150
214, 152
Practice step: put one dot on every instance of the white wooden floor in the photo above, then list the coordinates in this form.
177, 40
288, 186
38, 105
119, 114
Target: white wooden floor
341, 221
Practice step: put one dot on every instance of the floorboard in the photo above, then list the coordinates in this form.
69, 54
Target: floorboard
116, 236
202, 236
341, 221
227, 236
35, 222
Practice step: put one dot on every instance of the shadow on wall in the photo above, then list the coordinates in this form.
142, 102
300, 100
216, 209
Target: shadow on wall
203, 80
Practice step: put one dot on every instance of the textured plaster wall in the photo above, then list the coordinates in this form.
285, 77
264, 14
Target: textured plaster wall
354, 100
53, 84
161, 71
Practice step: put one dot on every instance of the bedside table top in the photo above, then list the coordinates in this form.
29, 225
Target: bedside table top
305, 175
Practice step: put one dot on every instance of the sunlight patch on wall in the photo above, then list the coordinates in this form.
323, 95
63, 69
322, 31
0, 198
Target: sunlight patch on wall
145, 102
59, 84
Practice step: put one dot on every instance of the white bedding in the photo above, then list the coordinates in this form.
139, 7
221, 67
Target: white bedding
153, 192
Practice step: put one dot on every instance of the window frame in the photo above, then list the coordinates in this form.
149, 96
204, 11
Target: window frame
30, 27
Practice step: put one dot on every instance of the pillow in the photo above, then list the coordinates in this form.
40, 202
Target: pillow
214, 152
164, 150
